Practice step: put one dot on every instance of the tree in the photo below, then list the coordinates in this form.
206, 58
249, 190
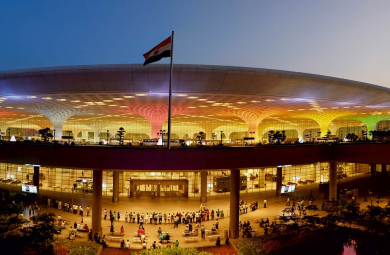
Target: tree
45, 135
121, 133
201, 136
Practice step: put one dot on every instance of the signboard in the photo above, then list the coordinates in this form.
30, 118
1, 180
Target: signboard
287, 189
29, 188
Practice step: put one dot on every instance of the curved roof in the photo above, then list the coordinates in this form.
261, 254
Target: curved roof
187, 79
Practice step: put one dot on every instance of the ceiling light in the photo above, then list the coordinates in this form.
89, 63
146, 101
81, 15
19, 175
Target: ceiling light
128, 96
61, 99
31, 97
191, 107
118, 98
192, 97
112, 105
75, 101
141, 95
201, 99
46, 98
284, 99
181, 95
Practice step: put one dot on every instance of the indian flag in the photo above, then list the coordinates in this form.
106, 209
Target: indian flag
162, 50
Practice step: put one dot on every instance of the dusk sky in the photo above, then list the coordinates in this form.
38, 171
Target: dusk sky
345, 39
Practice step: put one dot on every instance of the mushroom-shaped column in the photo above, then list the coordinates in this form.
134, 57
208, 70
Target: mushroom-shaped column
208, 129
370, 121
333, 128
253, 116
324, 118
57, 116
156, 115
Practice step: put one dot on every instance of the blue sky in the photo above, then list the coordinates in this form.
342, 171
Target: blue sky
346, 39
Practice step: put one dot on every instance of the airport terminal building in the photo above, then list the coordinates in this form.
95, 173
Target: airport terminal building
235, 130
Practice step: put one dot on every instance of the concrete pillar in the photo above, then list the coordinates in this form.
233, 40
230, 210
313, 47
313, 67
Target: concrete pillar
262, 178
279, 173
121, 182
158, 189
203, 187
373, 169
97, 201
36, 177
384, 170
196, 181
234, 231
332, 180
186, 188
115, 188
313, 175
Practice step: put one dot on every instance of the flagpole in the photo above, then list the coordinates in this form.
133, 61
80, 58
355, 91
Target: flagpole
170, 95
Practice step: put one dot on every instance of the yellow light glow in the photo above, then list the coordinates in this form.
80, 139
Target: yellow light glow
75, 101
210, 102
61, 99
202, 99
141, 95
112, 105
284, 99
192, 107
118, 98
269, 100
128, 96
46, 98
31, 97
181, 95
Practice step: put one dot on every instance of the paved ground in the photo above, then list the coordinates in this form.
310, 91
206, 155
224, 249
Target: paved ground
173, 205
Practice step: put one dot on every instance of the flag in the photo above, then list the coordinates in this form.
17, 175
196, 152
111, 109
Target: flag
162, 50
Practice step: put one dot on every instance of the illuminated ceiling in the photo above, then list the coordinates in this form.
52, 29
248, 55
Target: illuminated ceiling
202, 94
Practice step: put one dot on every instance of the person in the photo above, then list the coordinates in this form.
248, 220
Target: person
160, 218
123, 244
266, 230
216, 224
203, 232
144, 245
146, 218
160, 237
213, 228
218, 243
71, 237
167, 237
105, 214
176, 243
88, 210
86, 228
288, 202
159, 244
143, 237
227, 240
165, 218
90, 236
154, 245
126, 216
115, 216
75, 225
122, 231
127, 245
82, 220
265, 203
159, 231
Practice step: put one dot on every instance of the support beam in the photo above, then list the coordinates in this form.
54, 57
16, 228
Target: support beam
97, 201
279, 174
203, 187
234, 230
36, 177
373, 169
332, 180
115, 188
384, 170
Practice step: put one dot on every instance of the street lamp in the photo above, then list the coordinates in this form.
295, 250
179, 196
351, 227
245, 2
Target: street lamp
162, 133
252, 132
54, 134
107, 135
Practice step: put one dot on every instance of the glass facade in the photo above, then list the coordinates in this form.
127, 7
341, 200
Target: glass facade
78, 182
